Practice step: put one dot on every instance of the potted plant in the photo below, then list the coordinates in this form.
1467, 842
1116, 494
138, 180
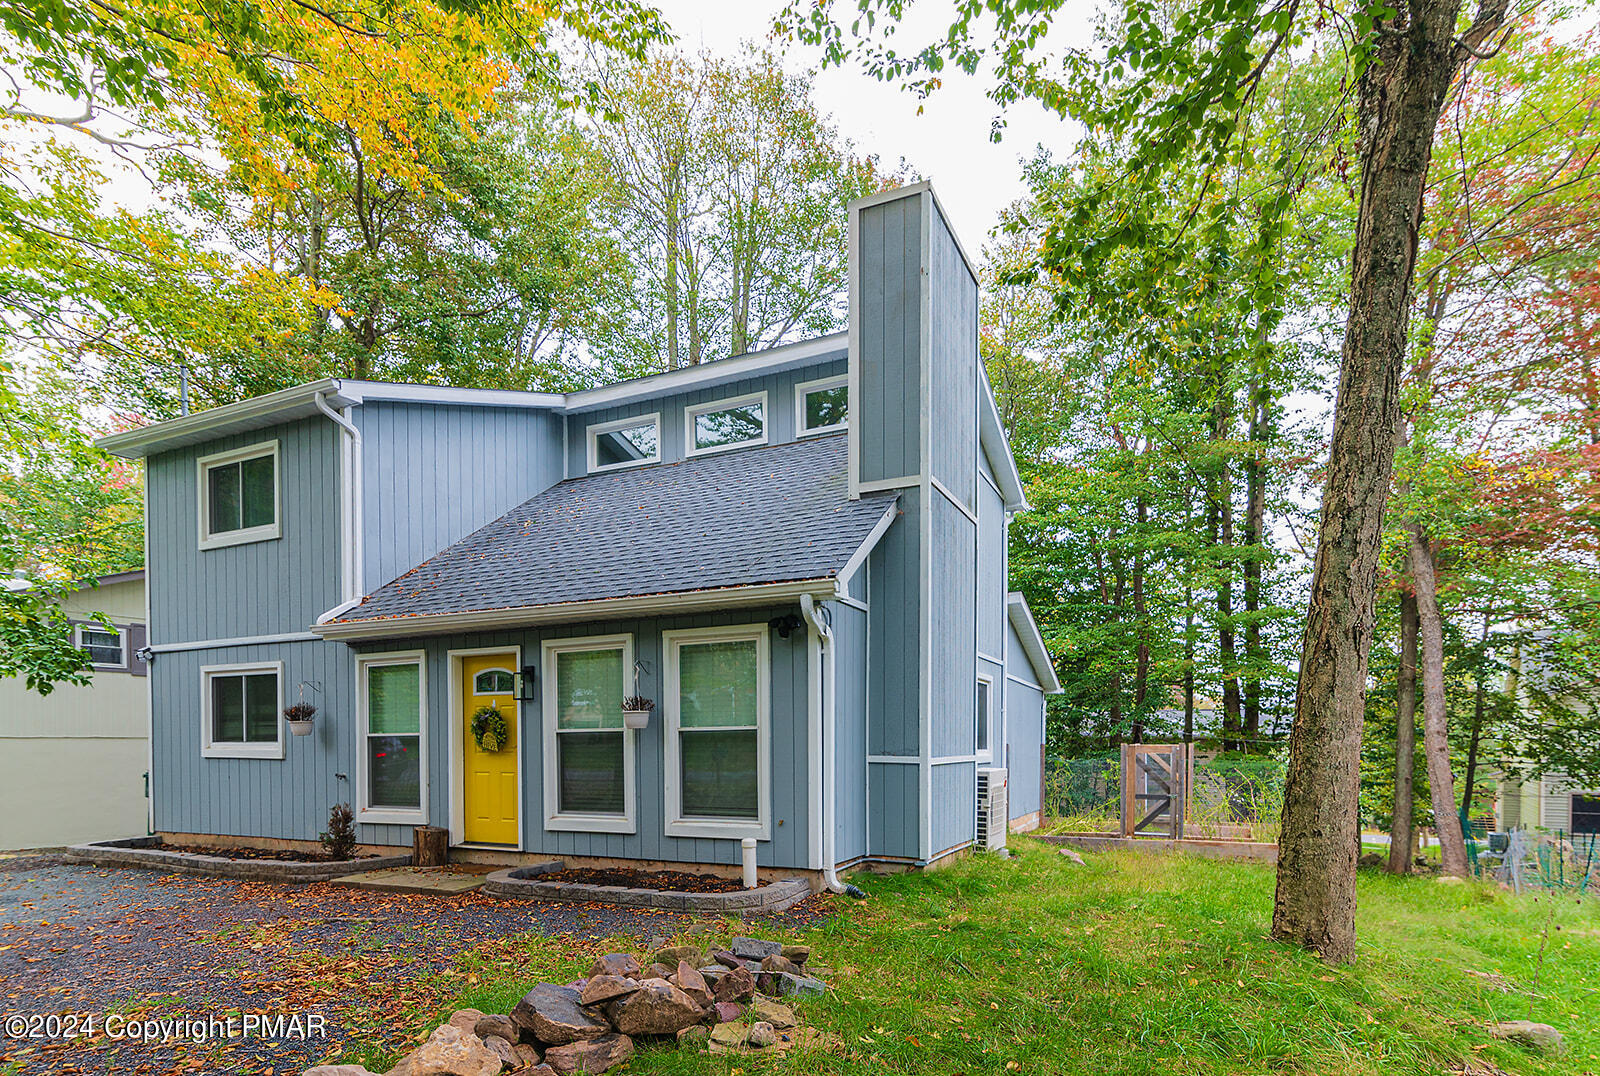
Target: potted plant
636, 711
299, 717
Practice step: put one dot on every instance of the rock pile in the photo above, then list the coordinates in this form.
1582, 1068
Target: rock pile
712, 999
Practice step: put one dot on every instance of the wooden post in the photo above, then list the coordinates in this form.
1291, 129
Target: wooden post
430, 846
1128, 761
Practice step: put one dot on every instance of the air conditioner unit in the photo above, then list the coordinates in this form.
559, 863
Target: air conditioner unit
993, 824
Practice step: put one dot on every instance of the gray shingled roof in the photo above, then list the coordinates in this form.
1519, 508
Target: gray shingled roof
765, 515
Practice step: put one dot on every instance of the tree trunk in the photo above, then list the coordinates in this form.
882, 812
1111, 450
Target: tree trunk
1400, 95
1405, 740
674, 196
1255, 518
1188, 664
1478, 703
1435, 718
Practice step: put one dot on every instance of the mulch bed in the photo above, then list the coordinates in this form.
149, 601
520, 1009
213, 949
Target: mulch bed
667, 881
279, 855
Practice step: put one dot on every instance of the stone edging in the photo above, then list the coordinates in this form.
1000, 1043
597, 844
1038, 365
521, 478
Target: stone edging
523, 883
145, 853
1254, 851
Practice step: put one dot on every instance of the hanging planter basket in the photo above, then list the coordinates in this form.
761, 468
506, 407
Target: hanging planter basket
489, 729
299, 718
636, 712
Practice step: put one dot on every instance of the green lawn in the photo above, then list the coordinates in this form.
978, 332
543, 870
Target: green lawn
1146, 964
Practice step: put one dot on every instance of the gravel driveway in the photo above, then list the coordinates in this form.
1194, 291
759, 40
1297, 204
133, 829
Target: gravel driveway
142, 945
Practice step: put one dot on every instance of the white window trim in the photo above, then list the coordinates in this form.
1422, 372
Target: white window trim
122, 644
239, 750
593, 434
676, 824
804, 389
574, 822
509, 672
263, 533
400, 816
693, 411
985, 754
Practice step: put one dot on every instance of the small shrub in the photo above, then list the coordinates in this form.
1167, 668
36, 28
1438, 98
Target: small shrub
340, 836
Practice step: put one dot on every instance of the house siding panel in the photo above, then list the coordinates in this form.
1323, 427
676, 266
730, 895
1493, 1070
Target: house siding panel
953, 393
850, 732
1024, 737
890, 290
895, 638
955, 792
893, 831
257, 588
991, 572
953, 687
434, 474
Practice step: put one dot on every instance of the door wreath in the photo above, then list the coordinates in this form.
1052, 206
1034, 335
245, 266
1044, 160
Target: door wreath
489, 729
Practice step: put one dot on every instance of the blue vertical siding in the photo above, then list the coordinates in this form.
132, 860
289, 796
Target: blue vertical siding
434, 474
955, 797
258, 588
894, 832
1024, 737
894, 724
781, 411
850, 732
954, 366
890, 320
953, 704
991, 572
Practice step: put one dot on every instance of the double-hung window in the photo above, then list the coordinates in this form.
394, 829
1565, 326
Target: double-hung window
627, 442
718, 727
393, 715
725, 424
822, 406
588, 754
106, 646
239, 711
239, 496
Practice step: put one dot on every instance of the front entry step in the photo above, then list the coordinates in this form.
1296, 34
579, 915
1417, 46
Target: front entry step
438, 881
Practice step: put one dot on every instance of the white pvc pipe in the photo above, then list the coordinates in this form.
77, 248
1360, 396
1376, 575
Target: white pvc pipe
819, 624
748, 848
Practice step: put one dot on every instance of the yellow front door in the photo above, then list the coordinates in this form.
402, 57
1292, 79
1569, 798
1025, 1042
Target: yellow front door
489, 780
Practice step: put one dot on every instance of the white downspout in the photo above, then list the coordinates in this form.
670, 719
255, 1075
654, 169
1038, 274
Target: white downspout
355, 584
824, 633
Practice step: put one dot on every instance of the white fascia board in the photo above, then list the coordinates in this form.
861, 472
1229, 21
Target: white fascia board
1021, 618
251, 414
706, 374
569, 612
868, 544
450, 394
992, 437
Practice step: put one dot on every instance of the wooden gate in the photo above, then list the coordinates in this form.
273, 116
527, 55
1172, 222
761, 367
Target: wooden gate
1156, 779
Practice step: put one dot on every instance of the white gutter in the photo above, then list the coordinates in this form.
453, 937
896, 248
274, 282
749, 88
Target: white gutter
823, 635
353, 502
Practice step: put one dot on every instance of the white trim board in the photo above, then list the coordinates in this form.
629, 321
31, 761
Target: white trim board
260, 749
803, 389
264, 532
591, 438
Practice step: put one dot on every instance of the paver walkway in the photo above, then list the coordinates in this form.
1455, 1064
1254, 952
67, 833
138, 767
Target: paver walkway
76, 939
434, 881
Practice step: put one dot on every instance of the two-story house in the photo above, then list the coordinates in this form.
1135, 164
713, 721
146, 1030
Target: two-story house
799, 555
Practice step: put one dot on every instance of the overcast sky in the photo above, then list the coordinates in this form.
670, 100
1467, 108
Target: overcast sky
948, 144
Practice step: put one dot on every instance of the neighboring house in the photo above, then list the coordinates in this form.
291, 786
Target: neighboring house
73, 762
1550, 802
798, 554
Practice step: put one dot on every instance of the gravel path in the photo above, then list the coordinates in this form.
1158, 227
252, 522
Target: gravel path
77, 939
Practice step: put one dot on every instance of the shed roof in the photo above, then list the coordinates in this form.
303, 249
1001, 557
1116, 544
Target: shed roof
741, 520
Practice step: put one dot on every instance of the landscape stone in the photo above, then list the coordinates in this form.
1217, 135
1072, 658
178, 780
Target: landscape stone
691, 982
779, 1016
555, 1015
779, 962
762, 1034
657, 970
589, 1056
729, 1034
798, 954
755, 948
466, 1019
622, 965
1541, 1038
496, 1024
339, 1070
726, 959
786, 984
727, 1011
450, 1051
695, 1034
737, 985
1072, 856
669, 955
527, 1054
538, 1070
508, 1056
656, 1008
606, 988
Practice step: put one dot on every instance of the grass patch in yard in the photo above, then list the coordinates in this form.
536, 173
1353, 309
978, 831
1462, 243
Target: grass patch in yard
1143, 964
